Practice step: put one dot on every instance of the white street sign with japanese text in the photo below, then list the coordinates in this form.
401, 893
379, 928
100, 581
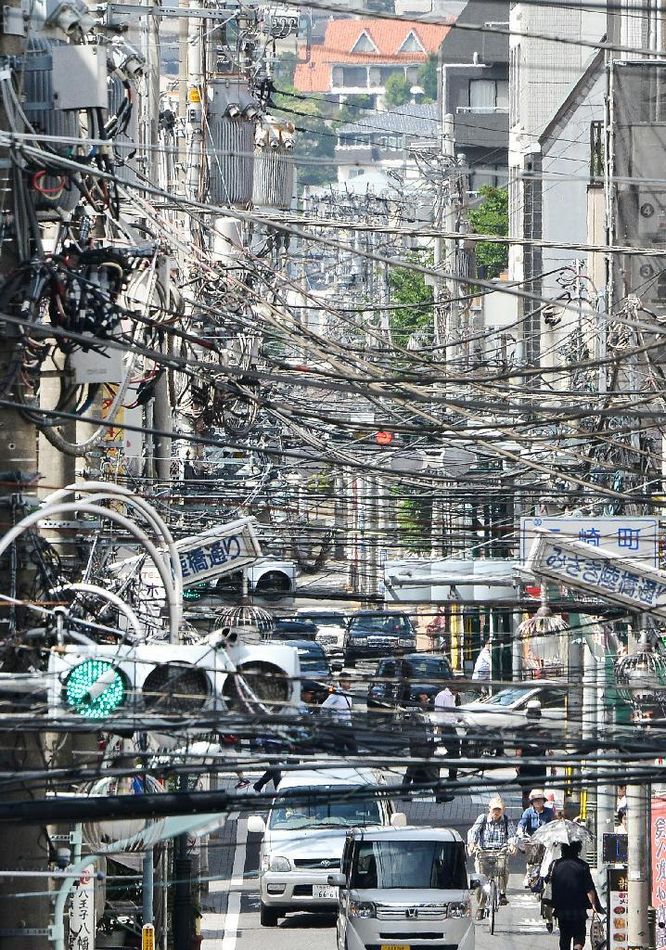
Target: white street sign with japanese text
219, 551
600, 573
82, 925
629, 537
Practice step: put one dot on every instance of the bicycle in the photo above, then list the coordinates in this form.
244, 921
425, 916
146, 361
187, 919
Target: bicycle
492, 864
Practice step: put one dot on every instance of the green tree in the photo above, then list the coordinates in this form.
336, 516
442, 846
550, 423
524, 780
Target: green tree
491, 217
397, 90
428, 78
408, 287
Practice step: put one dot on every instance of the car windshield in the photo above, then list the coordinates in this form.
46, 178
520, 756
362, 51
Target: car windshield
507, 697
323, 620
426, 667
312, 661
390, 626
319, 814
410, 864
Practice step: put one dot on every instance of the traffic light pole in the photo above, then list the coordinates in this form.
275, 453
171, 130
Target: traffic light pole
182, 903
638, 892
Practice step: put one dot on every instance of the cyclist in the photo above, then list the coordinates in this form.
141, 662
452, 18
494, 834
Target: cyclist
493, 831
531, 820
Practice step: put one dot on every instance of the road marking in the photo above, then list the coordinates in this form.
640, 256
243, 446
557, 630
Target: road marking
227, 923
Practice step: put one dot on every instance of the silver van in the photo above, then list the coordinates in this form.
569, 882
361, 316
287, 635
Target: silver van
403, 889
305, 832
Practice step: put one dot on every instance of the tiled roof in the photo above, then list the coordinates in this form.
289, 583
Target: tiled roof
421, 120
387, 35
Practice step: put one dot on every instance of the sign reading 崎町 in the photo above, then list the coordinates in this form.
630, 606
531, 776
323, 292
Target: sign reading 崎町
601, 573
628, 537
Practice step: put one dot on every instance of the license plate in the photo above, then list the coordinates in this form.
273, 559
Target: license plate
394, 946
326, 892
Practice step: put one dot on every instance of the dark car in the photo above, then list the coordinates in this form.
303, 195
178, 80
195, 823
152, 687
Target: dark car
315, 669
398, 681
377, 633
294, 630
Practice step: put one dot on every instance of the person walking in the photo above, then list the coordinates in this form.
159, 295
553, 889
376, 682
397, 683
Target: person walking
305, 710
493, 831
535, 815
338, 707
446, 718
484, 664
573, 893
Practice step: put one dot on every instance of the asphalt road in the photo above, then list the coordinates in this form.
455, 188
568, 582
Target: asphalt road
231, 918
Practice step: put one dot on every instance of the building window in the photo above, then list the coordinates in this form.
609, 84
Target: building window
364, 44
486, 95
411, 44
355, 76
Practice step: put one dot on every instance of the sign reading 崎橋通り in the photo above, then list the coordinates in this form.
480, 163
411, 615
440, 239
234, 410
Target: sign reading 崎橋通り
601, 573
219, 551
628, 537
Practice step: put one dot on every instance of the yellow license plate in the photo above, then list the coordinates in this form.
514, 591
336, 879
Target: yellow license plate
394, 946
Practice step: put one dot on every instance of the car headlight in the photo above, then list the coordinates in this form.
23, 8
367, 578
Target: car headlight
405, 641
279, 863
459, 909
359, 641
362, 909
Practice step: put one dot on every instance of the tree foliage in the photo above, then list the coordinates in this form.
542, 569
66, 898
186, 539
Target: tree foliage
397, 90
408, 287
428, 78
491, 217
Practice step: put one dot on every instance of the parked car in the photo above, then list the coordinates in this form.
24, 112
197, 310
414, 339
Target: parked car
485, 723
378, 633
331, 627
397, 681
315, 668
303, 836
403, 887
288, 629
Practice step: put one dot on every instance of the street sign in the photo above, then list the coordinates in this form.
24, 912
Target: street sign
630, 537
147, 937
219, 551
600, 573
82, 926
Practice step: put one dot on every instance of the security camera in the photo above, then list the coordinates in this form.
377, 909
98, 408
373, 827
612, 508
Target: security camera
63, 858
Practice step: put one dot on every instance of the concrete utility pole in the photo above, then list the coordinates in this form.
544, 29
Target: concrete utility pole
23, 847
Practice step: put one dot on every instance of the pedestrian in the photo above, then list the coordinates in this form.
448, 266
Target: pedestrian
531, 751
338, 706
573, 893
446, 701
423, 772
493, 831
535, 815
305, 709
484, 664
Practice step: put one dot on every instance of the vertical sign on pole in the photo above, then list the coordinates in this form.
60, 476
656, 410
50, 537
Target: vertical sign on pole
658, 837
81, 935
148, 937
618, 906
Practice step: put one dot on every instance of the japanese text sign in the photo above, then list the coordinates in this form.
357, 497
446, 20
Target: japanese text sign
658, 838
599, 573
219, 551
618, 908
628, 537
82, 925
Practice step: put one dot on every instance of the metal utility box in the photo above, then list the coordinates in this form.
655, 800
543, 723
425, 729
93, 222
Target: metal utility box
79, 77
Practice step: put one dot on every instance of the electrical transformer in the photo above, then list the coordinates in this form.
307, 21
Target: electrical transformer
231, 114
274, 166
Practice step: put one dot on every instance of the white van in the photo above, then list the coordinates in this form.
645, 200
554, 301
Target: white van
305, 833
404, 888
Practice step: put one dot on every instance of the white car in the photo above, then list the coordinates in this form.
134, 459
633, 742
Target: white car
331, 627
485, 723
404, 888
305, 832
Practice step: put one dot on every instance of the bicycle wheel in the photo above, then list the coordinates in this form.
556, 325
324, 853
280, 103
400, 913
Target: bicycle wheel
492, 902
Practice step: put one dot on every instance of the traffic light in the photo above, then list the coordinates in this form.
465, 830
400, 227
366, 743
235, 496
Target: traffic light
103, 681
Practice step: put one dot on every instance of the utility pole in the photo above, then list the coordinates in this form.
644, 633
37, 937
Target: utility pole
23, 848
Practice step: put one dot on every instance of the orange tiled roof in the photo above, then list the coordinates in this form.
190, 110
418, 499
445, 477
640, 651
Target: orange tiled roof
387, 35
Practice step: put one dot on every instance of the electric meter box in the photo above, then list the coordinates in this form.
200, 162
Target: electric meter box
79, 77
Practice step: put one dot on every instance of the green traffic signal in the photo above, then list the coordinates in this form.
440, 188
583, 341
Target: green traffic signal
95, 688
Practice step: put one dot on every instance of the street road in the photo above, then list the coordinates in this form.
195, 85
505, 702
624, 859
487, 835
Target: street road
231, 918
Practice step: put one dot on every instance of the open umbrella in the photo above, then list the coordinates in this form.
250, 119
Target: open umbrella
560, 831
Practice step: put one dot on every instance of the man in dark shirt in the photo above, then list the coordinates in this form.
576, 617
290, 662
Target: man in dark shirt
573, 894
